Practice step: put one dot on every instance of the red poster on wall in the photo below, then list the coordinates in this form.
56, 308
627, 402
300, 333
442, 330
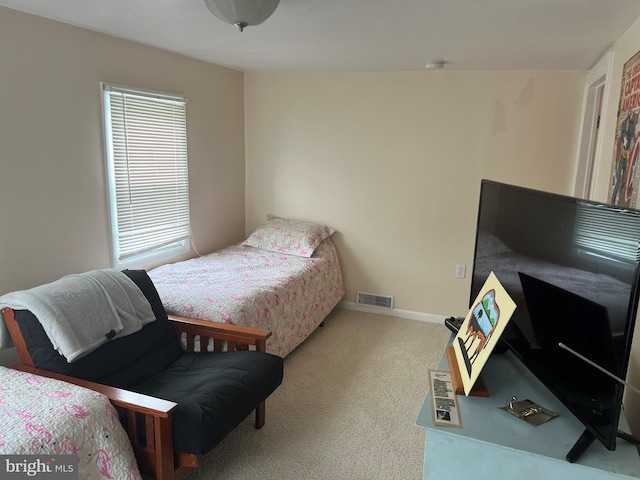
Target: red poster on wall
625, 174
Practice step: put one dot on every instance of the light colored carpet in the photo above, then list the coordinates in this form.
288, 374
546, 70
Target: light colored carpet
346, 408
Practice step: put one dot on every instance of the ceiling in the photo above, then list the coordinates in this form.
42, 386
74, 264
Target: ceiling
366, 35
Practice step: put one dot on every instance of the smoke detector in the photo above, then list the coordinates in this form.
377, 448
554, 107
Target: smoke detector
434, 65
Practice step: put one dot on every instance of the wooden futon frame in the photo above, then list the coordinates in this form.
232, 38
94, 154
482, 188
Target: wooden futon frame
155, 455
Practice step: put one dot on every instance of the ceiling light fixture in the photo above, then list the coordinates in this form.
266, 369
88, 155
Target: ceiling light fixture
242, 13
434, 65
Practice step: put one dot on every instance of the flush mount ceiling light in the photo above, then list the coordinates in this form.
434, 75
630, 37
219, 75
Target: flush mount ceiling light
434, 65
242, 13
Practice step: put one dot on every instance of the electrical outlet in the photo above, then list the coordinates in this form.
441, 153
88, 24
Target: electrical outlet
460, 271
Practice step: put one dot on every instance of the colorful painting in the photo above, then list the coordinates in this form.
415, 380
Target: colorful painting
481, 330
625, 175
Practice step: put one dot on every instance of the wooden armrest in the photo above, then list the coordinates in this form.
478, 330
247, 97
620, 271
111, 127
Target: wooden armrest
120, 397
212, 328
221, 331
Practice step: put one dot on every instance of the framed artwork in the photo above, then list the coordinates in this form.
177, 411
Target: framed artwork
481, 330
625, 176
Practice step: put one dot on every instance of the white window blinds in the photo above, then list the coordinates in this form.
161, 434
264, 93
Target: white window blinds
146, 141
608, 231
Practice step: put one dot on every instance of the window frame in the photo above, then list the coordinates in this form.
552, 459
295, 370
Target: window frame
159, 253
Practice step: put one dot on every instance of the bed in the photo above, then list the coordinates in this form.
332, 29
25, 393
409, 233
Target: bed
46, 417
494, 255
285, 278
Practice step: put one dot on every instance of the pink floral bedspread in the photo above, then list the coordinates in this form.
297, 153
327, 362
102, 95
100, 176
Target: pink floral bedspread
44, 416
241, 285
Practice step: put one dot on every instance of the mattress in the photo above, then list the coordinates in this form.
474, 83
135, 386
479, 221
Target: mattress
242, 285
45, 416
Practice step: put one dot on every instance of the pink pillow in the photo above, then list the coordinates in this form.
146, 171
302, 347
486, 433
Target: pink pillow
291, 237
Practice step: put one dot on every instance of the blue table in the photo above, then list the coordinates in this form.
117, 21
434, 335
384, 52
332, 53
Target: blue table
492, 444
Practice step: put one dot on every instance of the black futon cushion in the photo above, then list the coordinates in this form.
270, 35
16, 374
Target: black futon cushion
215, 393
122, 362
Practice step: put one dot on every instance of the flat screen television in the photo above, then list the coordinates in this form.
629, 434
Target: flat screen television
572, 267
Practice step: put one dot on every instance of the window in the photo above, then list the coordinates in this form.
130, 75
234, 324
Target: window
608, 232
146, 146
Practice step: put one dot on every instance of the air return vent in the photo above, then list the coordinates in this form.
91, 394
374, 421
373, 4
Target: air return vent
374, 300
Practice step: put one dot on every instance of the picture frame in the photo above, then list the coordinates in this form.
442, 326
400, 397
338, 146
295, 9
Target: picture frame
625, 176
481, 330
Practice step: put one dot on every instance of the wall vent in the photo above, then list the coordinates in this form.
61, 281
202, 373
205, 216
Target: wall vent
374, 300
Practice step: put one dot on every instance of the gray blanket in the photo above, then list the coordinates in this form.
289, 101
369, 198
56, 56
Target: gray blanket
81, 312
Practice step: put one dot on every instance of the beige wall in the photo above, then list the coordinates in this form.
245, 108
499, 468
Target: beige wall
393, 161
53, 202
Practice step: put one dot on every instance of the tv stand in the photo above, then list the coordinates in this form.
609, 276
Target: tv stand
493, 444
587, 438
584, 442
628, 437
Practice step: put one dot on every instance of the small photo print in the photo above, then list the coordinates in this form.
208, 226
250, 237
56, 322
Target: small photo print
443, 415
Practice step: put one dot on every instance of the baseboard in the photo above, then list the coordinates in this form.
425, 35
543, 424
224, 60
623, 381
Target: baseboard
408, 314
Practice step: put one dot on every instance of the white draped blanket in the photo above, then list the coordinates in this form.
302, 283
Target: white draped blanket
81, 312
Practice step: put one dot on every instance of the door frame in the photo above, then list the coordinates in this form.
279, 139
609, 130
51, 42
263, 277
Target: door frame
594, 103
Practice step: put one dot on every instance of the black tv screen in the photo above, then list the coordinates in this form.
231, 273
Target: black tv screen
572, 267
